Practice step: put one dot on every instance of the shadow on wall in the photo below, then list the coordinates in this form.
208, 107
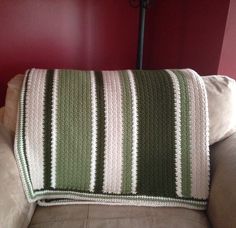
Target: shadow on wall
184, 34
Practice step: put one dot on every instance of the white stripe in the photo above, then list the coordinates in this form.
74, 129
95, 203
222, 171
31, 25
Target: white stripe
94, 132
177, 132
54, 128
206, 152
202, 188
196, 154
113, 133
199, 168
134, 131
34, 120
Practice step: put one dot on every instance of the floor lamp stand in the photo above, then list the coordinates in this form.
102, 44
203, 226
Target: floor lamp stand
142, 4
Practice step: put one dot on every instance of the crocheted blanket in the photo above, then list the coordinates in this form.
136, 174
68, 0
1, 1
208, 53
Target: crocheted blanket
114, 137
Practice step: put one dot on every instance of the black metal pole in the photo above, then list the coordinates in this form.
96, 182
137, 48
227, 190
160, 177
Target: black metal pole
142, 12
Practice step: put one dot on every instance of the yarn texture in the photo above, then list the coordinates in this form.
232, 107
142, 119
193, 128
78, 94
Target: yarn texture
114, 137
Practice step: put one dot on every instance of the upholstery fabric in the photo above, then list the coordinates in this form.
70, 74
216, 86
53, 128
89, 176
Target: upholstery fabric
219, 89
15, 211
222, 201
95, 216
2, 114
11, 103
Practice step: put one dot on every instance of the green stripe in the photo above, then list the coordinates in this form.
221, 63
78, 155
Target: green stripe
156, 153
100, 132
74, 130
127, 132
185, 135
47, 131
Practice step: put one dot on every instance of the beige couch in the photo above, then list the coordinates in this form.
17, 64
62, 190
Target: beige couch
16, 212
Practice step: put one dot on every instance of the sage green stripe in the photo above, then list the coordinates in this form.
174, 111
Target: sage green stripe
100, 132
185, 135
156, 152
127, 132
74, 130
47, 129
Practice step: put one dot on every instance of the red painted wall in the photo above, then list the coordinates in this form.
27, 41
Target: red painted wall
92, 34
186, 33
227, 63
66, 34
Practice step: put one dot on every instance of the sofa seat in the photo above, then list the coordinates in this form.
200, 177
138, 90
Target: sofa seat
100, 216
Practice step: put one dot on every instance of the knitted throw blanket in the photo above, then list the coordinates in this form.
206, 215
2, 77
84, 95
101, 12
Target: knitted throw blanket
114, 137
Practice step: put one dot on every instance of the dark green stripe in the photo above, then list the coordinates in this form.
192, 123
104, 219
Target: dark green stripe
127, 132
185, 135
74, 130
47, 129
156, 153
100, 132
24, 119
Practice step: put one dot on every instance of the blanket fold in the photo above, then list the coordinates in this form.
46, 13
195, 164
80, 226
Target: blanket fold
114, 137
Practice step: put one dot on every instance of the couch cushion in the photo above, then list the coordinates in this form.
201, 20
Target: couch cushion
93, 216
15, 211
221, 92
11, 103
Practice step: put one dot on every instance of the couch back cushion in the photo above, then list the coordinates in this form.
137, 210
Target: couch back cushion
221, 91
11, 103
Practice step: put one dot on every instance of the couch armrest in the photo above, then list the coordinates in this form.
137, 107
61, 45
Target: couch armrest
15, 211
222, 201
